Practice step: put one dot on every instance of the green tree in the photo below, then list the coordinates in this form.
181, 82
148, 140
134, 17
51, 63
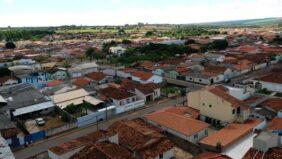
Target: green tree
10, 45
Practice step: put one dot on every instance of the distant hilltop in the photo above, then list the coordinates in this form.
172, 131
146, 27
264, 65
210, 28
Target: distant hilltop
249, 22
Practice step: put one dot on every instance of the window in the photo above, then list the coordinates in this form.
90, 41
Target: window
204, 104
161, 156
206, 132
200, 80
210, 105
127, 100
196, 136
133, 99
233, 111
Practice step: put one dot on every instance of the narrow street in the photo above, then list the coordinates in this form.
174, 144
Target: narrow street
43, 145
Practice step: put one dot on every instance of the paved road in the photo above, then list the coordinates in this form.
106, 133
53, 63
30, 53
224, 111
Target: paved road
43, 145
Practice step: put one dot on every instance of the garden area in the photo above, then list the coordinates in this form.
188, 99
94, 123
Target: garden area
82, 109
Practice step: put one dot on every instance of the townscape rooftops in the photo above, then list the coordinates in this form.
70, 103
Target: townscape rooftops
272, 153
116, 93
81, 82
211, 155
273, 77
96, 76
230, 134
144, 88
79, 142
21, 95
223, 93
140, 137
103, 150
275, 124
180, 123
143, 75
273, 103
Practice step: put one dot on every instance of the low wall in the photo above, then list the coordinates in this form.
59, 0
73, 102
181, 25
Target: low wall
57, 130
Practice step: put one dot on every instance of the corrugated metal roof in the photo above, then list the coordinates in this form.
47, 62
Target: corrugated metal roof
33, 108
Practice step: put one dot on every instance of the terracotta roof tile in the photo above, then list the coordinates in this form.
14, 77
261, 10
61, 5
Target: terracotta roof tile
230, 134
274, 77
142, 75
116, 93
273, 153
273, 103
275, 124
103, 150
138, 136
211, 155
180, 123
96, 76
54, 83
222, 92
81, 82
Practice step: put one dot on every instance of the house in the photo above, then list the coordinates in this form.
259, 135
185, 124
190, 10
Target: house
23, 100
122, 99
265, 145
198, 58
215, 57
219, 105
97, 77
81, 82
146, 77
75, 97
146, 92
58, 73
271, 81
125, 72
211, 155
37, 79
68, 149
275, 127
24, 62
117, 51
272, 104
143, 140
103, 150
230, 136
8, 80
179, 122
83, 69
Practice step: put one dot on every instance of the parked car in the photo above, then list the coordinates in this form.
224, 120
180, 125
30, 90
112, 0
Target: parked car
40, 121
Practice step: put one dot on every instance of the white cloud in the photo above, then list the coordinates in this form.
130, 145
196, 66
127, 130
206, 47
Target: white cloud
173, 14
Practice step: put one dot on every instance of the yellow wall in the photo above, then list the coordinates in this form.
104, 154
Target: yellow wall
220, 109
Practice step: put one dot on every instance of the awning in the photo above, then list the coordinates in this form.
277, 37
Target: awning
33, 108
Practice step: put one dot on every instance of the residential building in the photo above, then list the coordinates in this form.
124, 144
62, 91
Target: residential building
97, 77
220, 105
117, 51
146, 92
122, 99
179, 122
23, 100
75, 97
211, 155
143, 140
83, 69
8, 80
233, 134
271, 81
146, 77
68, 149
103, 150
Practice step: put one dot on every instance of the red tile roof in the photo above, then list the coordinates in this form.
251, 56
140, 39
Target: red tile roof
211, 155
230, 134
143, 75
273, 103
275, 124
272, 77
96, 76
79, 142
273, 153
222, 92
103, 150
81, 82
180, 123
144, 88
116, 93
139, 137
54, 83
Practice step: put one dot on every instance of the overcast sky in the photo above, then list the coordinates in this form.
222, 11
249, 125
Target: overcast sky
120, 12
